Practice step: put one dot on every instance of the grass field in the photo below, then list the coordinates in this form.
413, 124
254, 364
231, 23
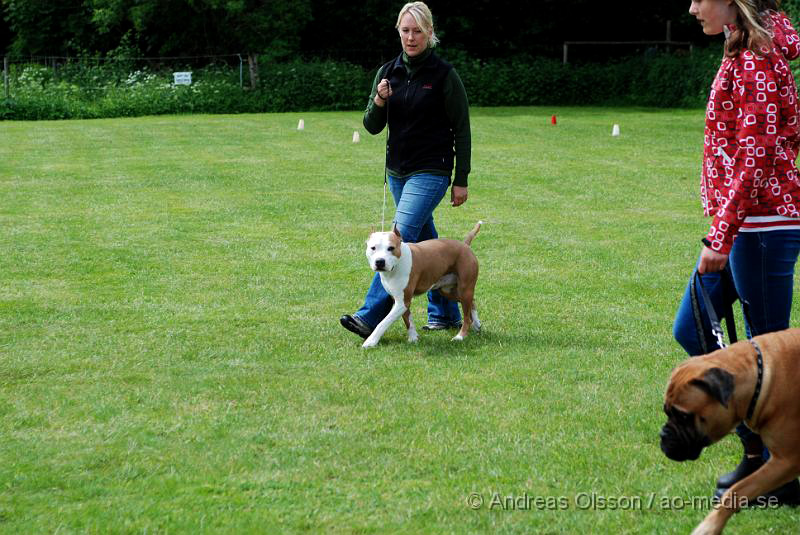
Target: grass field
171, 359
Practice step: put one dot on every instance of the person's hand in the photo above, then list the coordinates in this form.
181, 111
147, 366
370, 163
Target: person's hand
384, 92
711, 261
458, 195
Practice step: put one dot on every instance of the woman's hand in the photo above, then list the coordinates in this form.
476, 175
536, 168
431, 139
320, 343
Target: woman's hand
384, 92
458, 195
711, 261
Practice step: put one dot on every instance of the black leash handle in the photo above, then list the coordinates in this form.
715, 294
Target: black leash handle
728, 287
716, 324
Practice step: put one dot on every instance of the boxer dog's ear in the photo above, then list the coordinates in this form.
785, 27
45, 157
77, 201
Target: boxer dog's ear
717, 383
396, 232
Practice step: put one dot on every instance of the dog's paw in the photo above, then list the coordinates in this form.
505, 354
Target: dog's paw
706, 528
369, 343
476, 326
457, 338
413, 338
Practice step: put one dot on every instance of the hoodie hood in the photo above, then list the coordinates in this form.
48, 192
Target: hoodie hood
783, 34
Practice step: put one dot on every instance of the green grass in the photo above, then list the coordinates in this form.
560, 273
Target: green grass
171, 359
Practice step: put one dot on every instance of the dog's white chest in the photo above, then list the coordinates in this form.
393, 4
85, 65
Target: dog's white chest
396, 280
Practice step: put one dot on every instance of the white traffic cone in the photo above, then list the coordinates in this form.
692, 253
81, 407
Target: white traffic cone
301, 125
615, 131
356, 137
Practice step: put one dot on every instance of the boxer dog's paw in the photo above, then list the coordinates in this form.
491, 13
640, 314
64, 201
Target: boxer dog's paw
706, 528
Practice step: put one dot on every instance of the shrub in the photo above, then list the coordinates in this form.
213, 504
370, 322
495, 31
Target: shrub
78, 90
313, 86
663, 80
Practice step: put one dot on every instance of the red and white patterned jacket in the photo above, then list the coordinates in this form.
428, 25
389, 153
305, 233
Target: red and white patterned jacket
749, 180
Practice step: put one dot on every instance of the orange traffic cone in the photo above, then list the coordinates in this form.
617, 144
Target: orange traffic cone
553, 120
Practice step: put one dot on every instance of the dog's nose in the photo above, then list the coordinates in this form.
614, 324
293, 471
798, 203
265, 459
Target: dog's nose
380, 263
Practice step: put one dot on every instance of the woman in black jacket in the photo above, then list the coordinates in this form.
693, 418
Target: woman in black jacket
424, 103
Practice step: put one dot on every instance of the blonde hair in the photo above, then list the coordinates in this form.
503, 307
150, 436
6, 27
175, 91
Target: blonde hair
423, 17
752, 30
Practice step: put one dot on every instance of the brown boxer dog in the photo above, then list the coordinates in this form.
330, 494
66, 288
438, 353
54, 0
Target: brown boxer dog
708, 396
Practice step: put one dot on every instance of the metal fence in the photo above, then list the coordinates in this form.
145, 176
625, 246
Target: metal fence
60, 66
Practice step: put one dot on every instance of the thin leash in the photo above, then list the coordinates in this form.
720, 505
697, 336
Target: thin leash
385, 181
383, 210
386, 157
385, 167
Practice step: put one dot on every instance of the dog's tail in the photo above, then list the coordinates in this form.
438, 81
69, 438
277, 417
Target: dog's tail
473, 233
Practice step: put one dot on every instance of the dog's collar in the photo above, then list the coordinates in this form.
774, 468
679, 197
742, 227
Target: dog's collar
759, 380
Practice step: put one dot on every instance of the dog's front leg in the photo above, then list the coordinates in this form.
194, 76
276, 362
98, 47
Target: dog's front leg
397, 310
773, 474
412, 331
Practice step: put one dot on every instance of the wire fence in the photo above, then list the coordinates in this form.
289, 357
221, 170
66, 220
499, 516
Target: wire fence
62, 87
70, 67
119, 67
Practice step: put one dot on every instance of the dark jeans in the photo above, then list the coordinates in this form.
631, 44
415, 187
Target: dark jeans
762, 264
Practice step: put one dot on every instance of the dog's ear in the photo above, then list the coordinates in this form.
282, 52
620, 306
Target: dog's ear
396, 232
717, 383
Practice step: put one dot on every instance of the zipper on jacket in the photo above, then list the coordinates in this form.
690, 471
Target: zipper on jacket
726, 160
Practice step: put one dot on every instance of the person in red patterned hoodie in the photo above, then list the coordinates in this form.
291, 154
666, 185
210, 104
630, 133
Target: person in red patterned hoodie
749, 187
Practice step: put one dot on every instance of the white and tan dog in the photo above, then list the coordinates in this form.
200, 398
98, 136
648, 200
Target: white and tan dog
409, 269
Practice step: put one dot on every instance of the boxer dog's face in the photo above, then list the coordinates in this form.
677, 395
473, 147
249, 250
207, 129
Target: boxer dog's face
383, 250
698, 411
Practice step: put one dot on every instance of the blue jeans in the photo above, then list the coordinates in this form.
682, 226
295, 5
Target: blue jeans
762, 264
415, 197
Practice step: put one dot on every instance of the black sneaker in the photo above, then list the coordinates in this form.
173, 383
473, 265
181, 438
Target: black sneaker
745, 468
354, 324
788, 494
437, 326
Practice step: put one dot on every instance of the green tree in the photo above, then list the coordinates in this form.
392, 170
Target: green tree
5, 35
43, 27
254, 26
186, 27
792, 8
158, 27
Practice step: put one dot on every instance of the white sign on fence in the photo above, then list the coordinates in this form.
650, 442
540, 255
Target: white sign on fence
182, 78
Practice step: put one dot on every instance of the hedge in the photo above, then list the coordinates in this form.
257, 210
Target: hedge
663, 80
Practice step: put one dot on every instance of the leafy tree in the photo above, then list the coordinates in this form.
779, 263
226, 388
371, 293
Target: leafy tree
158, 27
495, 28
257, 27
5, 35
357, 31
42, 27
792, 8
196, 27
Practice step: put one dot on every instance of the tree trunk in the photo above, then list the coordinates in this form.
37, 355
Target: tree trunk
252, 62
